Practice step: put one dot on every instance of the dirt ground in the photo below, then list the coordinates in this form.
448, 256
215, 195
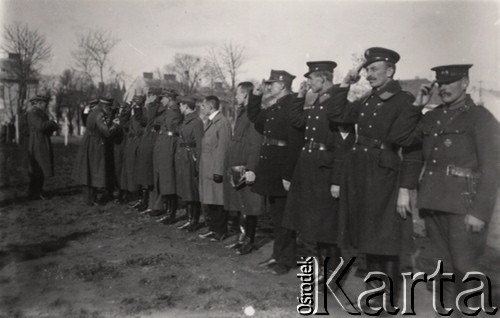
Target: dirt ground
59, 258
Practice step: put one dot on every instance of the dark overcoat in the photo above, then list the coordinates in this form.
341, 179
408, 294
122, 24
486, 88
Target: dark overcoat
91, 168
187, 157
374, 171
146, 146
311, 210
165, 126
130, 160
276, 160
243, 150
40, 154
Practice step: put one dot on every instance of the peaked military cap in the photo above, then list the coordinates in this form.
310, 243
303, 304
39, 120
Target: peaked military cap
376, 54
106, 101
446, 74
280, 76
40, 98
94, 102
168, 93
320, 66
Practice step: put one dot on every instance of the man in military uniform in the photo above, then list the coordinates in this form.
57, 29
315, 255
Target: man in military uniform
458, 189
165, 126
87, 109
134, 134
40, 154
312, 205
146, 146
374, 188
216, 136
187, 160
281, 144
91, 167
242, 157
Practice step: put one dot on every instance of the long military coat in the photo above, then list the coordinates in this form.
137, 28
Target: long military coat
187, 157
372, 176
130, 160
243, 150
311, 210
217, 134
40, 154
276, 162
168, 120
91, 168
146, 146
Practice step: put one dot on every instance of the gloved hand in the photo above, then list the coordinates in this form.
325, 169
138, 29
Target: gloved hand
217, 178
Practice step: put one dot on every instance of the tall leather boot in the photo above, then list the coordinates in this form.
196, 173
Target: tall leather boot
144, 200
171, 203
391, 266
249, 242
195, 216
189, 213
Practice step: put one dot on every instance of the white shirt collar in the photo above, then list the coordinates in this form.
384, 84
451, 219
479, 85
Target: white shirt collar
212, 115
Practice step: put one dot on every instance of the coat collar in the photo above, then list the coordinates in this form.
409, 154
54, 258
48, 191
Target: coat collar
190, 117
388, 90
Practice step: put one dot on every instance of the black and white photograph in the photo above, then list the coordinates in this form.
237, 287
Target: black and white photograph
249, 158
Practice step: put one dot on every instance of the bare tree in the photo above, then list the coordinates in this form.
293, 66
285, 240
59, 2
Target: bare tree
93, 49
189, 69
225, 62
31, 50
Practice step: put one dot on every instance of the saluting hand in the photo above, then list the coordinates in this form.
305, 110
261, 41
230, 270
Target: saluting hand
403, 203
286, 184
304, 87
424, 94
474, 224
352, 77
259, 89
335, 191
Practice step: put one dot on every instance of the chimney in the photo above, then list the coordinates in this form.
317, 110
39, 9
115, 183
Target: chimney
147, 75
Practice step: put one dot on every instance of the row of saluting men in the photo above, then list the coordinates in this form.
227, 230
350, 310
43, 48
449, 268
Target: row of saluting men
338, 173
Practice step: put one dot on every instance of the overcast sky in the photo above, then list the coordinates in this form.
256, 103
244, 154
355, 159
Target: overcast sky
276, 34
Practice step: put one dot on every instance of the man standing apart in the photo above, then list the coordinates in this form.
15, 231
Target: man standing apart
213, 153
40, 154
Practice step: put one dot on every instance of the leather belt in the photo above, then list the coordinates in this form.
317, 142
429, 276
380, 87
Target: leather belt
273, 142
187, 144
373, 143
163, 132
312, 145
452, 170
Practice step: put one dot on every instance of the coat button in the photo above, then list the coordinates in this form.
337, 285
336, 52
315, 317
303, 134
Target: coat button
438, 122
310, 150
307, 127
314, 128
309, 116
366, 104
374, 114
369, 126
362, 114
433, 161
317, 117
320, 107
312, 139
435, 148
430, 173
435, 135
353, 148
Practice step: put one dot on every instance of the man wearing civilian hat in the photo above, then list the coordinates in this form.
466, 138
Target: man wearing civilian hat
92, 162
281, 144
146, 146
458, 188
375, 183
216, 136
165, 126
312, 206
242, 158
40, 154
187, 158
134, 134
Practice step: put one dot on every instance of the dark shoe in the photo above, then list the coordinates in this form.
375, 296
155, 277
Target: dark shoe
193, 226
184, 226
168, 219
208, 234
155, 213
268, 262
146, 211
278, 269
246, 248
218, 237
240, 239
